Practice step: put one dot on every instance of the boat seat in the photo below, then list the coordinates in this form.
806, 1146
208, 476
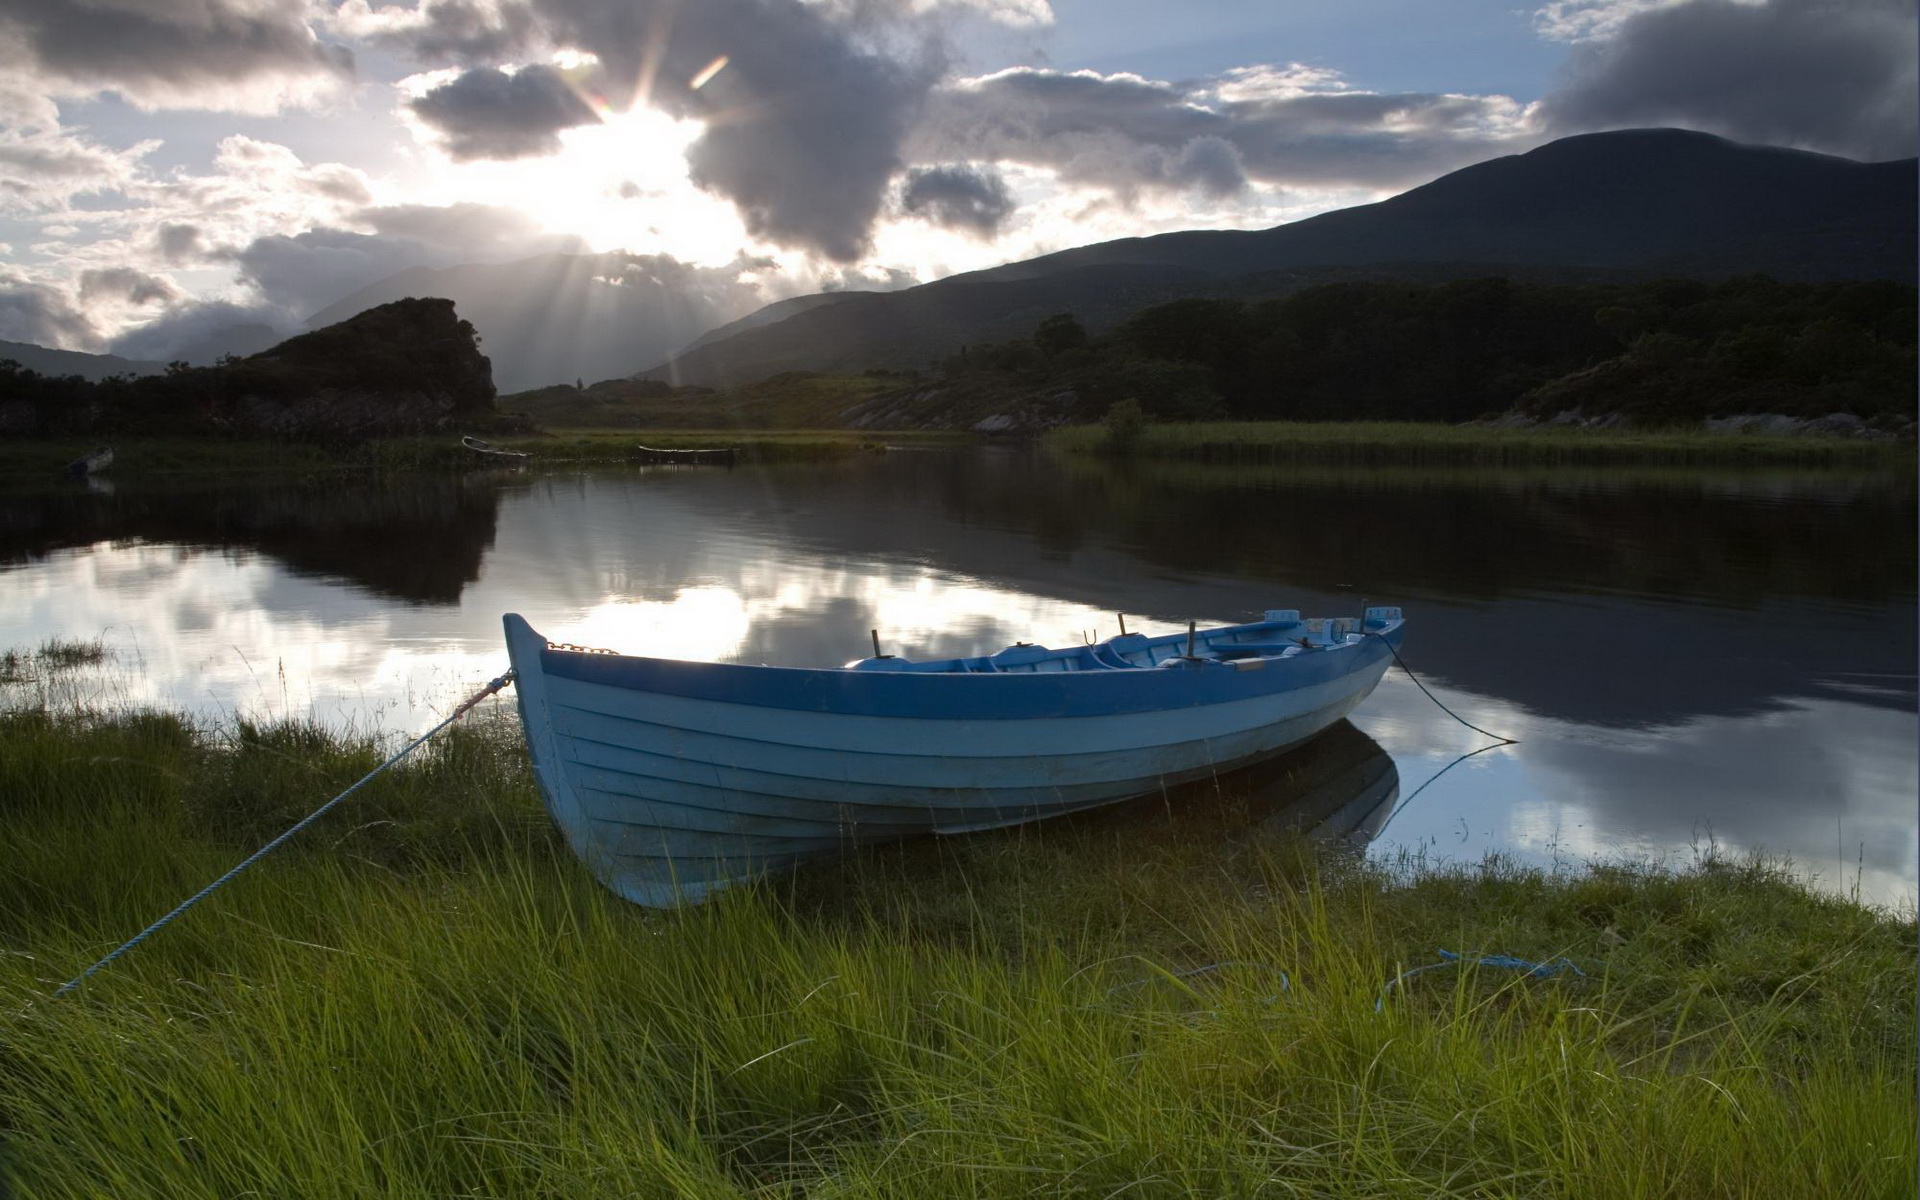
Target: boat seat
1225, 648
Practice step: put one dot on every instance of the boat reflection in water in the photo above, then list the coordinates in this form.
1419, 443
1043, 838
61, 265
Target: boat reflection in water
1339, 788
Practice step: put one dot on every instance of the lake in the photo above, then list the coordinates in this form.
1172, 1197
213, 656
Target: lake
1689, 658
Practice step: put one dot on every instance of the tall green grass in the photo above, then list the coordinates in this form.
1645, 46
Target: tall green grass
428, 996
1410, 443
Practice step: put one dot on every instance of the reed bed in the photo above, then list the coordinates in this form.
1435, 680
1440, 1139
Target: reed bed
427, 996
1411, 443
32, 463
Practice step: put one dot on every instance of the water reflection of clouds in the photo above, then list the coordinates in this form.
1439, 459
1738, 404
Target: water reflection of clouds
1826, 784
236, 632
712, 567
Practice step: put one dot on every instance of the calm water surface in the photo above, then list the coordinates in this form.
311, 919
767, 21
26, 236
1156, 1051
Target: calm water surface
1688, 658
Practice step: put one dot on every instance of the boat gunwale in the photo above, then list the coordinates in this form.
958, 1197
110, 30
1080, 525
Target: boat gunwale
973, 695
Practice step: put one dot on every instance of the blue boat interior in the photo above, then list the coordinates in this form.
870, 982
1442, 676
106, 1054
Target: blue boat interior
1281, 634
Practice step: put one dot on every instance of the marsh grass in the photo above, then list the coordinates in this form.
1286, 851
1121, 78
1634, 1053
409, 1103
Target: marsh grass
1410, 443
35, 463
427, 996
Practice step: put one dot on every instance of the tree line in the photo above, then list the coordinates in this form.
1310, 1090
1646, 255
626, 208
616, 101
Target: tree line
1664, 350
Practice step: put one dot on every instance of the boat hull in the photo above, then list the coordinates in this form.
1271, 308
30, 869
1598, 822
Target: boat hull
672, 780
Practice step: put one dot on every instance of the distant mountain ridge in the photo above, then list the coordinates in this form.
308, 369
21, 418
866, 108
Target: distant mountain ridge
1633, 203
90, 367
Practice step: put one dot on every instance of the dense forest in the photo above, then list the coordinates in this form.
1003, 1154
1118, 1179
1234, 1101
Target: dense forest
1663, 351
405, 367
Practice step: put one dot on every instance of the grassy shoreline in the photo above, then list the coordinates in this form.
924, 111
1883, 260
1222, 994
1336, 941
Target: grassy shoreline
1394, 443
426, 995
1244, 443
42, 459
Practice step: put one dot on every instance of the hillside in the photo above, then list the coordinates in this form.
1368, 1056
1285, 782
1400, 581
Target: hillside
412, 366
1650, 352
1631, 204
90, 367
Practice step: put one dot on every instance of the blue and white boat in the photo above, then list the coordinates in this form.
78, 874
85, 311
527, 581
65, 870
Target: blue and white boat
674, 779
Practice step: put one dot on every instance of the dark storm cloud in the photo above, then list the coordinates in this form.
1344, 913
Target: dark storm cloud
1124, 133
487, 113
972, 199
1824, 75
803, 126
31, 312
180, 244
461, 32
126, 284
193, 52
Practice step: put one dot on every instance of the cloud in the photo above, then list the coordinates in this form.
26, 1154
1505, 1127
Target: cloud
312, 269
301, 273
126, 285
444, 32
1589, 20
180, 244
42, 170
1819, 74
1290, 126
45, 316
240, 55
474, 231
486, 113
973, 199
201, 332
801, 130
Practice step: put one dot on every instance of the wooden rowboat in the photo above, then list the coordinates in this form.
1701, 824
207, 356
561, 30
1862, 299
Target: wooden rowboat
492, 451
674, 779
716, 458
91, 463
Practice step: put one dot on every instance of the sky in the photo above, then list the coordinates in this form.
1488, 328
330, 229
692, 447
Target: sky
168, 167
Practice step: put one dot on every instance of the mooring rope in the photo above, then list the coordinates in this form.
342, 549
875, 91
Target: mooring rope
1505, 962
1423, 687
496, 685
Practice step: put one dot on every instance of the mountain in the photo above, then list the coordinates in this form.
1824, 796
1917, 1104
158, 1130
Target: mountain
1628, 204
779, 310
71, 362
555, 318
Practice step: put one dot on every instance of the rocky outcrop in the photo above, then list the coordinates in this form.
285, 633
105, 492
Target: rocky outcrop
412, 366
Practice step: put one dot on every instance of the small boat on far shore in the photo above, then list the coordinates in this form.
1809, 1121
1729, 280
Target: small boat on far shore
723, 457
91, 463
675, 779
492, 451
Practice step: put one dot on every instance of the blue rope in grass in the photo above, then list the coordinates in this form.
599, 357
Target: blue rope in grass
1505, 962
495, 686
